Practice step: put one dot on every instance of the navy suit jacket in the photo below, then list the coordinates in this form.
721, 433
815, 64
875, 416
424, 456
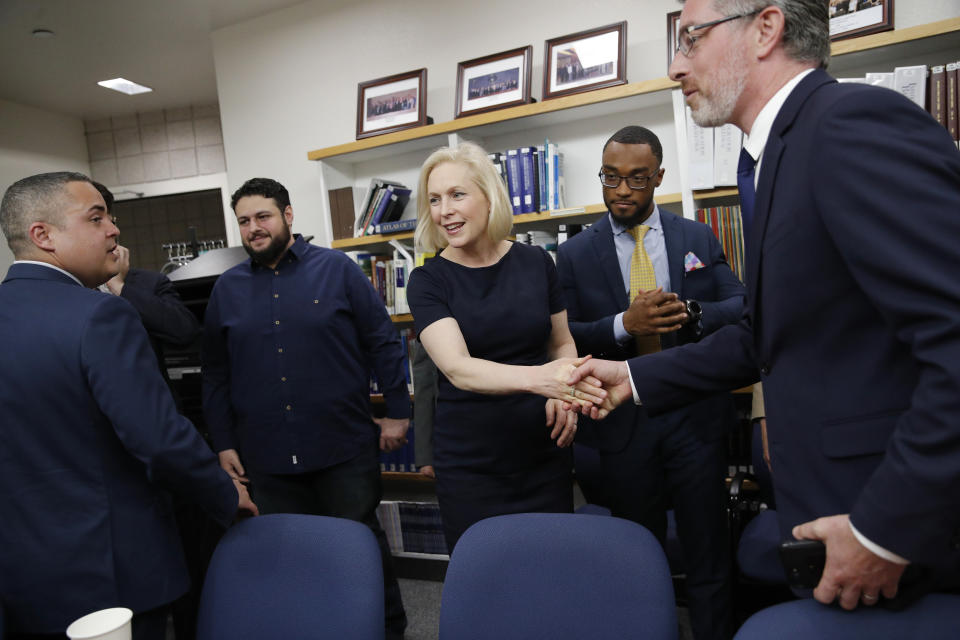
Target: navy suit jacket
89, 439
853, 320
594, 291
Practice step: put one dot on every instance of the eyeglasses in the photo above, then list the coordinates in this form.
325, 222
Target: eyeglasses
685, 41
637, 183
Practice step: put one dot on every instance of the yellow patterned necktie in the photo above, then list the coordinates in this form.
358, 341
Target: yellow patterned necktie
642, 278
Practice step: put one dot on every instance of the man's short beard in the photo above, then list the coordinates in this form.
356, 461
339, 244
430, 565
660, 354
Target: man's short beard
718, 109
272, 252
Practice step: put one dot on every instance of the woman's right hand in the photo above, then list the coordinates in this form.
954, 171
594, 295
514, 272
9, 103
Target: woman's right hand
551, 382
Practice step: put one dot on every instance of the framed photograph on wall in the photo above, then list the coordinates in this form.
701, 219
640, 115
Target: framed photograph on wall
584, 61
673, 35
851, 18
392, 103
494, 82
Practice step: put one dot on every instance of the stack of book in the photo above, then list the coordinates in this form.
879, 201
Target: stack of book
382, 207
728, 227
388, 274
533, 176
412, 527
422, 528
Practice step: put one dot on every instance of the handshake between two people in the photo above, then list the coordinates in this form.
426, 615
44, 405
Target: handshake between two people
590, 387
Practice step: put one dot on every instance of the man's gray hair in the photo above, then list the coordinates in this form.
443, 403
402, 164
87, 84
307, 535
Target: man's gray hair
38, 198
806, 32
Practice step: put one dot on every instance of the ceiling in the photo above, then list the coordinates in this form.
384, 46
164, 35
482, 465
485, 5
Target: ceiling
163, 44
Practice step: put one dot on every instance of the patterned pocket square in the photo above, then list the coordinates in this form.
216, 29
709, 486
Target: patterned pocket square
691, 262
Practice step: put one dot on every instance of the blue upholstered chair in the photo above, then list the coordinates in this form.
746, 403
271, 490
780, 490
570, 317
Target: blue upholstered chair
294, 576
934, 617
558, 576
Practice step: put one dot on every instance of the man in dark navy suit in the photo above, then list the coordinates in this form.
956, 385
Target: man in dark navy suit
675, 459
853, 304
90, 434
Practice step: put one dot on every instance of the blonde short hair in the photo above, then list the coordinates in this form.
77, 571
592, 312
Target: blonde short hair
481, 170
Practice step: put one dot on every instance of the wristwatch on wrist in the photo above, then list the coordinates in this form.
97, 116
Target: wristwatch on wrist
694, 312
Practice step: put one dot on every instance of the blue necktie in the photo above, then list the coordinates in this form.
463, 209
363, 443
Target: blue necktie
748, 194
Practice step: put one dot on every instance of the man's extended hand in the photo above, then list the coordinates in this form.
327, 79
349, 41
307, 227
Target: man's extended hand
615, 377
852, 574
393, 432
550, 380
654, 312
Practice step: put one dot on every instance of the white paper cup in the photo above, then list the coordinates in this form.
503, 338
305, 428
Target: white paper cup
106, 624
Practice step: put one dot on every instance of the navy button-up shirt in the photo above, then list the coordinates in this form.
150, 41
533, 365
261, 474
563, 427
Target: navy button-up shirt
287, 358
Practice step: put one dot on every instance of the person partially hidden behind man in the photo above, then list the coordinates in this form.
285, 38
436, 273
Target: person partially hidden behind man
90, 435
169, 323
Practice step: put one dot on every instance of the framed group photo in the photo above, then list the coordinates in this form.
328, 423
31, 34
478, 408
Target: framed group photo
392, 103
494, 82
584, 61
851, 18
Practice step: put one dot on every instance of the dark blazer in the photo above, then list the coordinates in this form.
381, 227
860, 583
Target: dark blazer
164, 315
167, 320
594, 291
853, 320
88, 441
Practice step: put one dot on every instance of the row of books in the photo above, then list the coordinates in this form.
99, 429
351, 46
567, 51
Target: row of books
402, 459
534, 177
384, 203
727, 225
388, 273
933, 88
407, 339
412, 527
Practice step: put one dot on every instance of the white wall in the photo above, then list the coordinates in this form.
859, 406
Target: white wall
35, 141
287, 81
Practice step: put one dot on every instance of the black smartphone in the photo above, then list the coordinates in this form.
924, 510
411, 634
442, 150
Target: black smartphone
803, 562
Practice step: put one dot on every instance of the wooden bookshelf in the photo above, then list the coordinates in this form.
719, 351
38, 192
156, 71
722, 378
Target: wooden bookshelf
573, 215
599, 96
407, 476
896, 37
943, 29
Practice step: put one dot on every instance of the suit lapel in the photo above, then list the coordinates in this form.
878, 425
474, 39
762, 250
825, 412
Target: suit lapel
606, 252
769, 167
673, 239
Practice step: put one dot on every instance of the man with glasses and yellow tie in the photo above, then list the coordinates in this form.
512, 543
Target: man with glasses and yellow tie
640, 280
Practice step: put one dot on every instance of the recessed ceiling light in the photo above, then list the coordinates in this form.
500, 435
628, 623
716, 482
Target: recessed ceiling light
43, 33
124, 86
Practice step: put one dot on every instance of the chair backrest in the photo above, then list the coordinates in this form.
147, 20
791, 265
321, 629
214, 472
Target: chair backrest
293, 576
933, 617
555, 575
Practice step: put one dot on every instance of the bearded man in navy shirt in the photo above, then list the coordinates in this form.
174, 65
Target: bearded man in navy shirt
290, 336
